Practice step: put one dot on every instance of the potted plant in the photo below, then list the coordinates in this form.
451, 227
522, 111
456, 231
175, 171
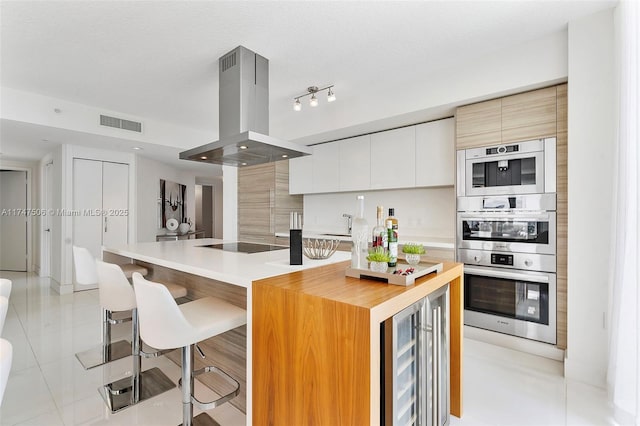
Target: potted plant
412, 252
378, 259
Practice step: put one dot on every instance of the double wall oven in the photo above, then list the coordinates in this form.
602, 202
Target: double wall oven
506, 237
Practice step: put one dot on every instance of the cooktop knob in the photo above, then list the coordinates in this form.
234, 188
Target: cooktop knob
528, 262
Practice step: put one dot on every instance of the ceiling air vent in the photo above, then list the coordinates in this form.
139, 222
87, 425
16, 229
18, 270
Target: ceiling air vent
120, 123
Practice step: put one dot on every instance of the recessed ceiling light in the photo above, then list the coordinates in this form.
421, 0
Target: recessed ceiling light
204, 157
284, 155
243, 164
243, 147
137, 148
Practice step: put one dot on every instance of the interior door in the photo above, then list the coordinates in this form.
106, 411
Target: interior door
87, 201
13, 220
115, 204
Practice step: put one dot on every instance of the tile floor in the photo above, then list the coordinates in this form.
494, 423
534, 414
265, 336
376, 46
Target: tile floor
48, 386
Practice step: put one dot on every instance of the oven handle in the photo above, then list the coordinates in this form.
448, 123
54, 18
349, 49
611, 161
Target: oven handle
505, 215
506, 274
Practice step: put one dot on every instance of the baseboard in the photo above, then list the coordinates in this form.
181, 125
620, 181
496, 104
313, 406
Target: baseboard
516, 343
61, 289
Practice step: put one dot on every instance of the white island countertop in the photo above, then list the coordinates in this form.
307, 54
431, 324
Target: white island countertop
234, 268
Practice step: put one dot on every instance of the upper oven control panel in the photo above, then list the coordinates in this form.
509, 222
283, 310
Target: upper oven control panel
524, 261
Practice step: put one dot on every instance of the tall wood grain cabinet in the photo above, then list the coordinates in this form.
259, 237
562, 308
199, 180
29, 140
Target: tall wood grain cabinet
264, 202
525, 116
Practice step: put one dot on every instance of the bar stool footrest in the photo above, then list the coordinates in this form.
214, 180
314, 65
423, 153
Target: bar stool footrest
224, 398
120, 394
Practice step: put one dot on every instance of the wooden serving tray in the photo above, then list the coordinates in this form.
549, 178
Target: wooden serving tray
420, 270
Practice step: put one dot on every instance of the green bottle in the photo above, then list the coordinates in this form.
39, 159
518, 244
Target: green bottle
393, 244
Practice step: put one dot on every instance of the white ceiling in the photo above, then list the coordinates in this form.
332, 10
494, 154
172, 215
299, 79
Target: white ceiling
158, 60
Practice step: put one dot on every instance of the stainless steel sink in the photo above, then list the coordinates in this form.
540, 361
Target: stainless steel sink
337, 235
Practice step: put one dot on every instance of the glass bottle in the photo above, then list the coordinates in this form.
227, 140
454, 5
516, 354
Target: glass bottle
394, 221
379, 234
360, 237
393, 244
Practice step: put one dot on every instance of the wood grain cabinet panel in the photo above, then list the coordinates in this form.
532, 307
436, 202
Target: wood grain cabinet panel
479, 124
264, 202
561, 214
529, 115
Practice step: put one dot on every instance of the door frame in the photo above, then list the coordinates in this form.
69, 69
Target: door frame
21, 168
45, 239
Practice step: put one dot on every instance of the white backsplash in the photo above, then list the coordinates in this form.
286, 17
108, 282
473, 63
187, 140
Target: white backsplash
426, 212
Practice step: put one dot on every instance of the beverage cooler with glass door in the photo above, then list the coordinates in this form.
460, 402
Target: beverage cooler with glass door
415, 363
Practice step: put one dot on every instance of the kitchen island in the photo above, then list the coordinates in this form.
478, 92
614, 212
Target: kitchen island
317, 297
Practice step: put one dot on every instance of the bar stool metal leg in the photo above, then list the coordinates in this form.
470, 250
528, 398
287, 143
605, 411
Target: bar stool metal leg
142, 385
187, 385
108, 351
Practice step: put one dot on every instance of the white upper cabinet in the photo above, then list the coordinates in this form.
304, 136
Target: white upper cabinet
355, 163
408, 157
326, 167
301, 175
392, 158
434, 160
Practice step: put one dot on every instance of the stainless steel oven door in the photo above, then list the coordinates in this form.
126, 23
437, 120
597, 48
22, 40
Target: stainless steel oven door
522, 304
520, 232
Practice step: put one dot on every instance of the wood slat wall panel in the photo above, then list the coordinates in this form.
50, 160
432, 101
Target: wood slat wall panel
561, 213
228, 350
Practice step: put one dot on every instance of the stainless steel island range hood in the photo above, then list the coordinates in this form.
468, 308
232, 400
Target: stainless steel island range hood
244, 116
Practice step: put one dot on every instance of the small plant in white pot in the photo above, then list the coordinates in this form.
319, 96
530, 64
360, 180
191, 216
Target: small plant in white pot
412, 252
378, 259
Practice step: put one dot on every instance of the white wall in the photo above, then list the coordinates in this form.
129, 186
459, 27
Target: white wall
149, 173
590, 167
424, 212
38, 109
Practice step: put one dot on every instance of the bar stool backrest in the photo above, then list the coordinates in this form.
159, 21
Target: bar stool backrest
162, 324
5, 287
85, 266
116, 293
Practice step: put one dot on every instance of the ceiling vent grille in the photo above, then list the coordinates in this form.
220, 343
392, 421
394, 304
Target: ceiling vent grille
228, 61
120, 123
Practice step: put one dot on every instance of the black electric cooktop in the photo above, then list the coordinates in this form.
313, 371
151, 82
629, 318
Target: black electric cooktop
240, 247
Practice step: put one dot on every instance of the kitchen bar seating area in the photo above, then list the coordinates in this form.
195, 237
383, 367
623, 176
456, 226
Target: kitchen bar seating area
253, 232
50, 387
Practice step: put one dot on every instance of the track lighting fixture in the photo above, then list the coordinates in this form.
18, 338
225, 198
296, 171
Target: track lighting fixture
313, 101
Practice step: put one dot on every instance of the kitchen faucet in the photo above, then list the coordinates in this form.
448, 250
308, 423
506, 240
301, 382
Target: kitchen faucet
349, 220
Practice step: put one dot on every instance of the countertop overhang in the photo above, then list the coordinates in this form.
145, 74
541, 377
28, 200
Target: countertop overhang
239, 269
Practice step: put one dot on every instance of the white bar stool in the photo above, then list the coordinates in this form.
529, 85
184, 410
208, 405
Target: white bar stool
86, 274
6, 356
5, 287
165, 325
116, 294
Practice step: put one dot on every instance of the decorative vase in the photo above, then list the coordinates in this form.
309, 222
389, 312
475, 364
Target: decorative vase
378, 266
412, 258
183, 228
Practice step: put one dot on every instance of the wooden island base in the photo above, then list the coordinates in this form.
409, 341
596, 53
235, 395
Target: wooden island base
316, 344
